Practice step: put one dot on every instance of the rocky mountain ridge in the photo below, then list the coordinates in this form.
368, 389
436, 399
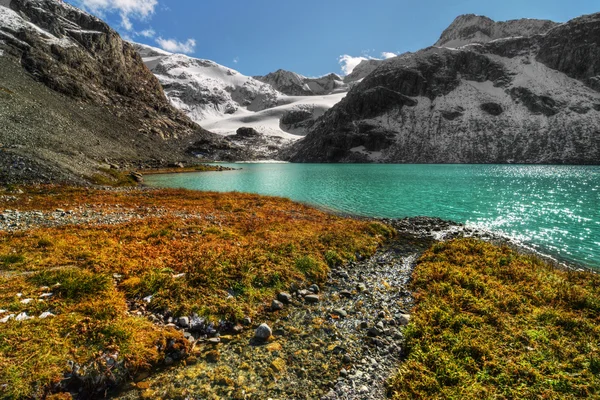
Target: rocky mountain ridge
77, 98
293, 84
525, 99
471, 28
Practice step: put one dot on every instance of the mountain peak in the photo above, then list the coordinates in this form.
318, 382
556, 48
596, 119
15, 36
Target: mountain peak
472, 28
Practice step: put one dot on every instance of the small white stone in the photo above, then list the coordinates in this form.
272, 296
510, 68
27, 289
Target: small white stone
46, 314
46, 295
148, 299
26, 301
7, 318
19, 295
178, 276
22, 317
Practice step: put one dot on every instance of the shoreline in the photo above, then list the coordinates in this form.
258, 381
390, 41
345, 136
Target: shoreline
101, 211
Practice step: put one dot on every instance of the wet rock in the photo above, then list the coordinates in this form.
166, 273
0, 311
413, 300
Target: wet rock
247, 321
374, 332
314, 288
361, 287
263, 332
302, 292
346, 293
284, 297
214, 341
276, 305
197, 324
340, 312
183, 322
311, 298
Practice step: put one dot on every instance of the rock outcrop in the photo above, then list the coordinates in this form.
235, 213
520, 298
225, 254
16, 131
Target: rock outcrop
470, 28
75, 97
526, 99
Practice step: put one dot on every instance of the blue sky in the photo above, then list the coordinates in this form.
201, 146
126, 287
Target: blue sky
309, 36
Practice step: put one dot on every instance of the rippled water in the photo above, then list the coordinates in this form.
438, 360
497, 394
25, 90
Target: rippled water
554, 208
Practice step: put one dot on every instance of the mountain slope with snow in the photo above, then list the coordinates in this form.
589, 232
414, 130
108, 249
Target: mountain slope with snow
293, 84
523, 99
224, 100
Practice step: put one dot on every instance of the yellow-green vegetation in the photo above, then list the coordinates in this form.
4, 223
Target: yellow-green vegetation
490, 323
235, 251
113, 177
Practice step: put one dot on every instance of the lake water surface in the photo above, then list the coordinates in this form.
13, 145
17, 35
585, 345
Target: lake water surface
553, 208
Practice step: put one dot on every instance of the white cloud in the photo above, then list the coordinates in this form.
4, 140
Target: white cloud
126, 22
174, 46
140, 9
348, 63
236, 60
148, 33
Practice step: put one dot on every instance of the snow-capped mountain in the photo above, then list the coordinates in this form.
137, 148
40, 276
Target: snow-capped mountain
223, 100
528, 98
294, 84
204, 89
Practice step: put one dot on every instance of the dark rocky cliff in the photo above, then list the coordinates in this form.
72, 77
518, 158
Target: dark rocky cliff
76, 97
527, 99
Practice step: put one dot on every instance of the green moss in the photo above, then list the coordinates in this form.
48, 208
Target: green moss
490, 323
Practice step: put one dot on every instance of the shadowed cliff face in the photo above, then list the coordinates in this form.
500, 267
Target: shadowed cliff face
574, 48
527, 99
103, 104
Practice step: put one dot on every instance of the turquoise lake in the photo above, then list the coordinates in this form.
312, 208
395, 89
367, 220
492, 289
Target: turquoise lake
555, 209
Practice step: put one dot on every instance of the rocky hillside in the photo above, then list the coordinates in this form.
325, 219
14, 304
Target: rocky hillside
76, 98
470, 28
524, 99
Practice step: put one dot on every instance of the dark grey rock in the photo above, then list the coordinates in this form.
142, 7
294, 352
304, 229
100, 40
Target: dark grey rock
311, 298
183, 322
276, 305
284, 297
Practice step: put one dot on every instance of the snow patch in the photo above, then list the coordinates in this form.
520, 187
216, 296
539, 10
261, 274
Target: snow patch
13, 22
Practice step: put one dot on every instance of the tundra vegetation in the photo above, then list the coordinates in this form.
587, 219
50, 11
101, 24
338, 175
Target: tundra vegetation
236, 251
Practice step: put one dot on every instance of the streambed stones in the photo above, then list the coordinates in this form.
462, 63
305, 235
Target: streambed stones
263, 332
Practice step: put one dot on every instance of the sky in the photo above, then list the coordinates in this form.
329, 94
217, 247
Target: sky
310, 37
